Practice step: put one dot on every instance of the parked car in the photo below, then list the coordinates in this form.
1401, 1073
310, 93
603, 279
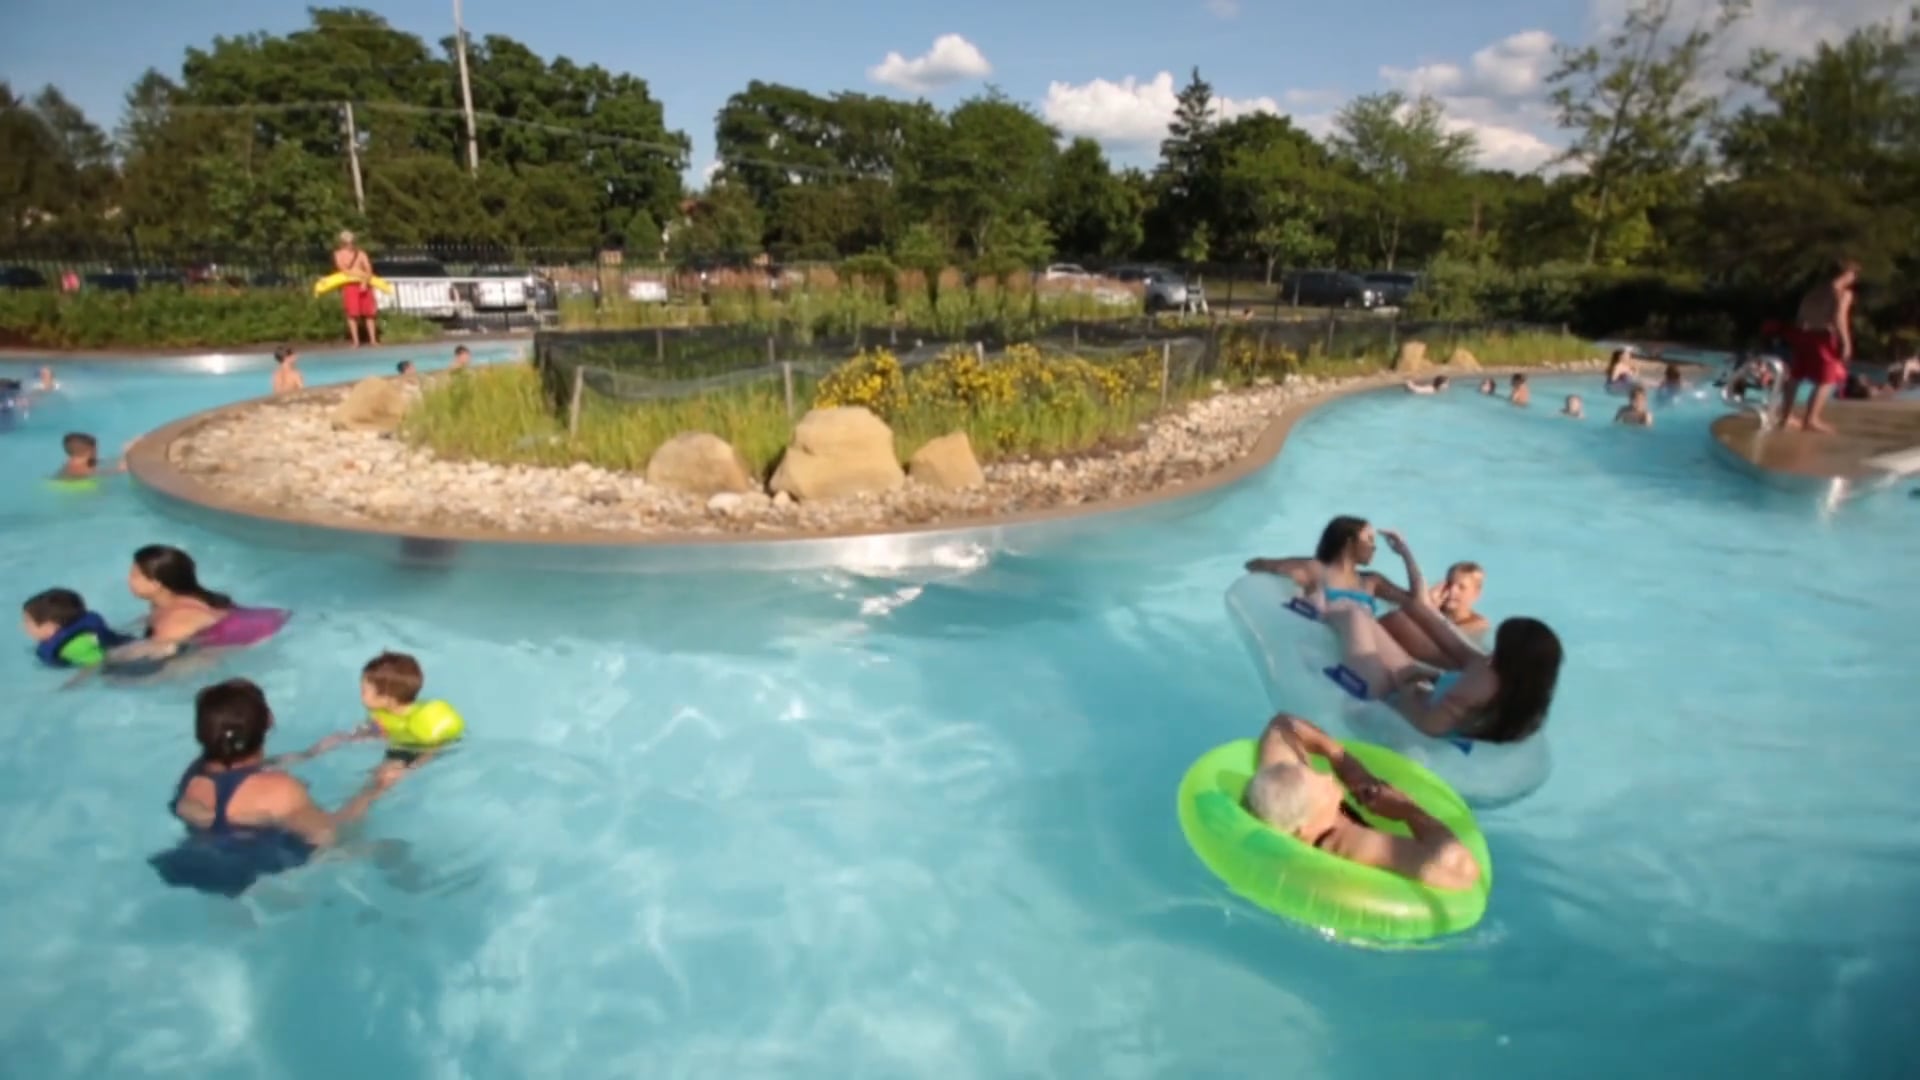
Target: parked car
1328, 288
647, 291
1165, 290
1064, 271
1395, 287
502, 288
21, 277
420, 287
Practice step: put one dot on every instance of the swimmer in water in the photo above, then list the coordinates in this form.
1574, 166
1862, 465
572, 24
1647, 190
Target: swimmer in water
286, 371
65, 632
391, 683
1620, 372
83, 457
245, 819
1520, 394
1437, 386
47, 382
1502, 696
1635, 411
1346, 546
179, 607
1489, 387
462, 356
1292, 797
1574, 409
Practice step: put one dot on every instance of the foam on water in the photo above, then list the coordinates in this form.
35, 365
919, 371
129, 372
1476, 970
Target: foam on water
899, 821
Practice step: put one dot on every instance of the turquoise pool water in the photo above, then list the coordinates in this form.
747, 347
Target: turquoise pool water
830, 825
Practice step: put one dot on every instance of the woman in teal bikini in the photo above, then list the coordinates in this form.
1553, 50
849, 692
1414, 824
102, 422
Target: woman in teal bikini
1346, 545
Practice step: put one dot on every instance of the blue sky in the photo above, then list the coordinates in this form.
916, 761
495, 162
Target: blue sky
1100, 69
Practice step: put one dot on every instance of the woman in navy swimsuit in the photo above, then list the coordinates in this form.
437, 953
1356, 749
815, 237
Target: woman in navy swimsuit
245, 818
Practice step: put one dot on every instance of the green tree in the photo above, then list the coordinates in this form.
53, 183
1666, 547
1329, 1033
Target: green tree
1409, 160
992, 160
1638, 113
1183, 159
1090, 210
723, 223
1276, 194
1826, 161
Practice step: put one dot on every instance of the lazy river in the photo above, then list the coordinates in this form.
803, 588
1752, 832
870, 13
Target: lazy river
832, 824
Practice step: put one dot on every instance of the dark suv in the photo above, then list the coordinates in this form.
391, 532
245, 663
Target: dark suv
1328, 288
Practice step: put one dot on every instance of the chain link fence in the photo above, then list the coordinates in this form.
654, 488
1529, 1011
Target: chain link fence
658, 363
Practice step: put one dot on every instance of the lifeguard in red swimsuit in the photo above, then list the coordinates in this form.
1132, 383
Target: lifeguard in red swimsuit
1822, 342
357, 299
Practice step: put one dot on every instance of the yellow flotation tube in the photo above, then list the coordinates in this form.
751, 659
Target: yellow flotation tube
333, 281
428, 725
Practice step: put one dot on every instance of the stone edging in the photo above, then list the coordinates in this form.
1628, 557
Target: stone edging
149, 463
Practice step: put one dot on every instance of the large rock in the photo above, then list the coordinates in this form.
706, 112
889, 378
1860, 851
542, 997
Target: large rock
839, 452
699, 463
1463, 360
375, 404
1412, 358
947, 464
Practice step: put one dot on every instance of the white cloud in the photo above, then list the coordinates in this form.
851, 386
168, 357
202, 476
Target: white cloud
952, 59
1131, 112
1224, 9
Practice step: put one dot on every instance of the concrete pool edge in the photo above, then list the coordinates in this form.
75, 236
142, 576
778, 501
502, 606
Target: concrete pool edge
181, 495
199, 356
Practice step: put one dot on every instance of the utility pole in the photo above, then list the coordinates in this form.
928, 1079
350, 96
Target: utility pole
353, 155
466, 91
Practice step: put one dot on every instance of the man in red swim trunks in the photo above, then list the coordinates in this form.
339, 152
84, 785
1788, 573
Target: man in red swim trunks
357, 298
1822, 340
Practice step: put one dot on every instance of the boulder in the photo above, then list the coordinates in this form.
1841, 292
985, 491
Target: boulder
1412, 358
699, 463
375, 404
1463, 360
947, 464
839, 452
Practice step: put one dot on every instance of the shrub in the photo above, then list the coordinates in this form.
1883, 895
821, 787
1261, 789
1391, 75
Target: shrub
163, 317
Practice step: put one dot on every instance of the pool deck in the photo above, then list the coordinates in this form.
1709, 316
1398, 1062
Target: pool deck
1873, 440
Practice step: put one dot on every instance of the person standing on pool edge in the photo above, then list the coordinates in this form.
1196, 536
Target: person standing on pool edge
357, 298
1822, 338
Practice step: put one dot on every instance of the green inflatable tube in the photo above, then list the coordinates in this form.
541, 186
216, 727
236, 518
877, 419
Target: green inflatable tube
77, 483
1295, 880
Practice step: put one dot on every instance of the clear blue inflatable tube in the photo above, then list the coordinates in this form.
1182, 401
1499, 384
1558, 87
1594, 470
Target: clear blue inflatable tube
1293, 649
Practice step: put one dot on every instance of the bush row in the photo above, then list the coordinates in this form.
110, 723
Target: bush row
163, 317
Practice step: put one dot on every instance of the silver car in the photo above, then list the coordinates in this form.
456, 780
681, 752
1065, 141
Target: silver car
1164, 289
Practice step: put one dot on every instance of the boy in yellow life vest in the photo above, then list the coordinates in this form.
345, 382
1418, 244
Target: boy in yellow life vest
414, 730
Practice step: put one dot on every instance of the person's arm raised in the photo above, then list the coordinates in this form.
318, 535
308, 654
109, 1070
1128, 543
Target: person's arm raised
302, 816
1300, 570
1420, 608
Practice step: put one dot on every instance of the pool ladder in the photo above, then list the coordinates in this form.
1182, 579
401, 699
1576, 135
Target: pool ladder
1769, 406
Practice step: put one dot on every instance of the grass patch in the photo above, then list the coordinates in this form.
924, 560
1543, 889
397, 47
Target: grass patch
1024, 403
166, 318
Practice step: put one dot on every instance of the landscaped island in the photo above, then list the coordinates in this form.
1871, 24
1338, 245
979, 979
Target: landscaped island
959, 439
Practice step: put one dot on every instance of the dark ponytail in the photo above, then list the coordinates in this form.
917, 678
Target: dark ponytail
230, 721
1526, 657
174, 571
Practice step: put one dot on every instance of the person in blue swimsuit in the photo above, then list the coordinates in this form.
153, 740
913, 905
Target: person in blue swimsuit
245, 818
1347, 545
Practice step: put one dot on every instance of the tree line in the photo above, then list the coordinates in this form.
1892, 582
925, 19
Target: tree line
1672, 164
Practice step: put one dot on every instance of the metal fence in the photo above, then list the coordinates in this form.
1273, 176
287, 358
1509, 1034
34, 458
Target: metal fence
640, 365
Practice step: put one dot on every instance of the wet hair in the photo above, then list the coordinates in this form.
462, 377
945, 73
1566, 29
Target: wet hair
230, 721
174, 571
1340, 534
54, 607
1464, 567
1619, 359
1673, 373
1526, 657
394, 675
462, 350
76, 443
1639, 394
280, 354
1278, 795
1439, 381
403, 366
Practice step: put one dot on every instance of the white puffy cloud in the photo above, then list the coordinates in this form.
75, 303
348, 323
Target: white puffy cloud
1131, 112
951, 59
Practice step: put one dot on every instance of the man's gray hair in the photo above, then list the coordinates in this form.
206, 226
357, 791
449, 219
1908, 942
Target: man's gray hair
1279, 796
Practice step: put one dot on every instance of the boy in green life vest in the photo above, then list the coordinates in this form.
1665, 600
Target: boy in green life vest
65, 633
414, 730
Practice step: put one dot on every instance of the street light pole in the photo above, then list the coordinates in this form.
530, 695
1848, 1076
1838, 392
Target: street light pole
466, 91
